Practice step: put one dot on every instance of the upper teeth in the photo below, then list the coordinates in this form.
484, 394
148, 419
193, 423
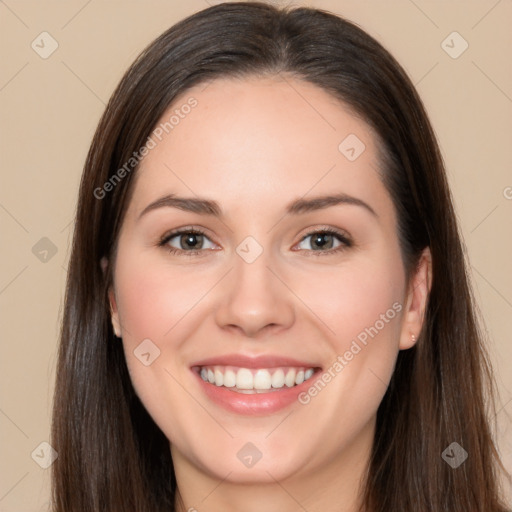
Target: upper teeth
246, 379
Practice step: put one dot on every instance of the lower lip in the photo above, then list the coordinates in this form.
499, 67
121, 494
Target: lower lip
256, 404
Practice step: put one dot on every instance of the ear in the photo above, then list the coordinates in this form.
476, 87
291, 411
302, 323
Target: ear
114, 314
417, 296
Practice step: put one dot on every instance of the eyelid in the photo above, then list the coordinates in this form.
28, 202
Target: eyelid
184, 229
327, 229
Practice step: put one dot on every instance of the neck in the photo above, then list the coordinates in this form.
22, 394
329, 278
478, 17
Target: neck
335, 485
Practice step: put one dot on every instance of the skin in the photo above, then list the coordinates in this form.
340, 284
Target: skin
254, 145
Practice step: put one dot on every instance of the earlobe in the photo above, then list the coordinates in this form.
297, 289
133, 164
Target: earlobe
417, 299
114, 315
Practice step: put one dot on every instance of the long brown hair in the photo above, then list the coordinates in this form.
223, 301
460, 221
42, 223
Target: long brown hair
111, 454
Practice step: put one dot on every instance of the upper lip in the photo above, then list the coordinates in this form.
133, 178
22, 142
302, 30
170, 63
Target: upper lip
260, 361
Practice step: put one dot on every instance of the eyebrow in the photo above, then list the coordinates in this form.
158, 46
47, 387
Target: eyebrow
297, 207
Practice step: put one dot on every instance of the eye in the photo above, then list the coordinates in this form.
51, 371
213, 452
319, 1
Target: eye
324, 241
189, 241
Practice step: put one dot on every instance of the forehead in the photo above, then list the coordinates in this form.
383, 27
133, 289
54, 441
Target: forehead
255, 140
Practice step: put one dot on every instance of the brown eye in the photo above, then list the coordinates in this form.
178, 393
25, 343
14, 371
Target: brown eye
325, 241
188, 241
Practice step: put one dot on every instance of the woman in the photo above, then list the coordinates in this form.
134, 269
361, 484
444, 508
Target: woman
267, 304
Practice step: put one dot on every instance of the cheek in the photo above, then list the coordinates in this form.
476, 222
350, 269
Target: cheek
361, 301
156, 303
152, 299
362, 305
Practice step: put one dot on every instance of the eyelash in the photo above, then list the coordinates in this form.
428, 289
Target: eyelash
346, 242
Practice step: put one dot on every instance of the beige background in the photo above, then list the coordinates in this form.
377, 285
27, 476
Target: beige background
50, 108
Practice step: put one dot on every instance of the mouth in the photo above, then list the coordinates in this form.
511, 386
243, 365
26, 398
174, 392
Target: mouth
254, 381
254, 385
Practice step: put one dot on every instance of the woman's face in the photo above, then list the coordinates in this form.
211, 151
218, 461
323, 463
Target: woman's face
298, 272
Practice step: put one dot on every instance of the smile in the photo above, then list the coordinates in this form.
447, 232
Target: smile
254, 385
259, 380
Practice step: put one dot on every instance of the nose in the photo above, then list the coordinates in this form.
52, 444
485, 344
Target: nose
255, 301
